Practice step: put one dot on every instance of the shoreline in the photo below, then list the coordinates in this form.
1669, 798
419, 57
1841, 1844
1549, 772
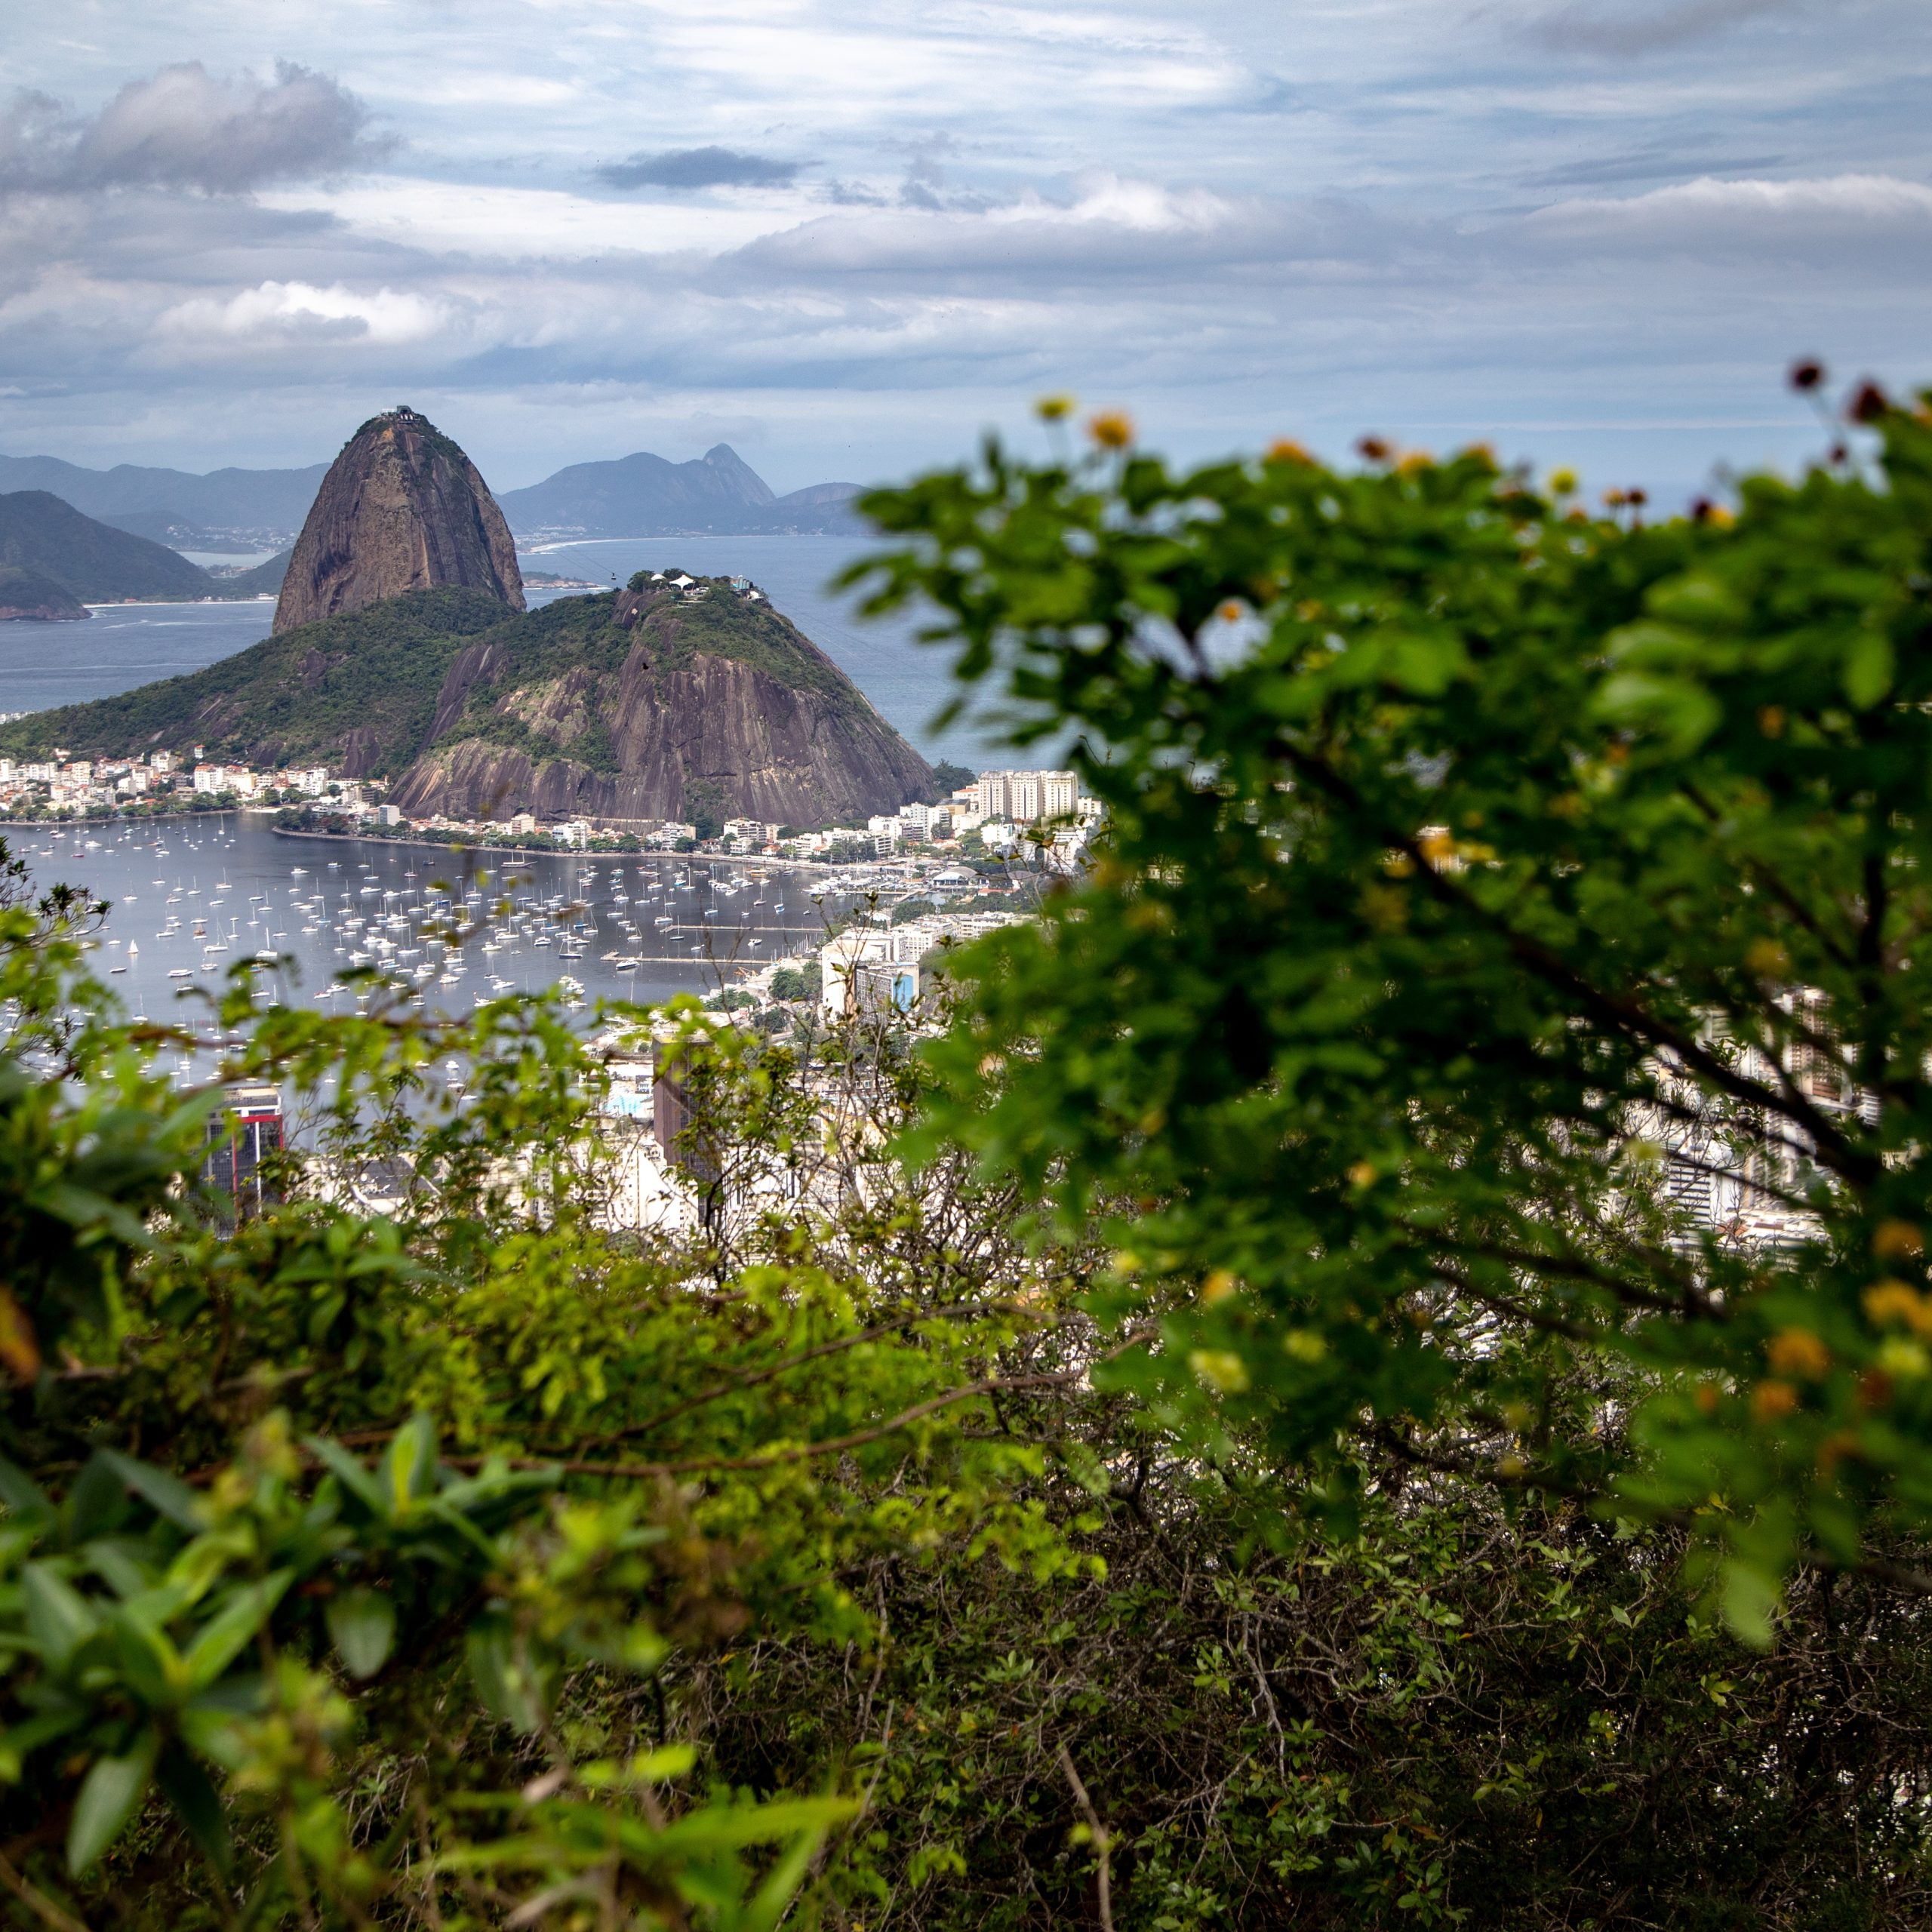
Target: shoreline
424, 842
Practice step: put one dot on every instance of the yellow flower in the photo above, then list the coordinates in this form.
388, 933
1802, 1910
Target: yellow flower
1770, 1400
1221, 1368
1218, 1287
1112, 429
1285, 449
1893, 1239
1304, 1345
1362, 1174
1564, 483
1054, 408
1797, 1352
1902, 1359
1898, 1301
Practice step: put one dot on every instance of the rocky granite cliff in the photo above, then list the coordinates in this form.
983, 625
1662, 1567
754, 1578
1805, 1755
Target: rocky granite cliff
643, 704
401, 508
650, 704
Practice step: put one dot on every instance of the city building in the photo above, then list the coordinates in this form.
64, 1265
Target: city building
241, 1139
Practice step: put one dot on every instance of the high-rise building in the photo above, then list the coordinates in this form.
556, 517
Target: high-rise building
247, 1133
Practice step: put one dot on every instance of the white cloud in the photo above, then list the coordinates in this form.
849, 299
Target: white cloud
297, 312
1217, 214
1836, 213
506, 224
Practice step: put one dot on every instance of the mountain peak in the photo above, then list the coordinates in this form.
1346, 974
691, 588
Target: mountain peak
740, 480
401, 508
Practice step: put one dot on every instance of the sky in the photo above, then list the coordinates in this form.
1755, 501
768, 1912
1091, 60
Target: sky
850, 239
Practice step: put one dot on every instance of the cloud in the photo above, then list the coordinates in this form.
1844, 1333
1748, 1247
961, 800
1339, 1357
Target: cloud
1621, 27
1655, 162
1824, 219
698, 168
185, 129
296, 312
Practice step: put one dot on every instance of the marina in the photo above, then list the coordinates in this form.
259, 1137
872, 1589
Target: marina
190, 897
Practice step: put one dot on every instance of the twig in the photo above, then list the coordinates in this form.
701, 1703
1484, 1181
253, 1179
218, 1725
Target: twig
31, 1895
1103, 1844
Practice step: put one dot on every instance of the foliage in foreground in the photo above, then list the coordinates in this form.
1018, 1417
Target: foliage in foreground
1241, 1480
1485, 877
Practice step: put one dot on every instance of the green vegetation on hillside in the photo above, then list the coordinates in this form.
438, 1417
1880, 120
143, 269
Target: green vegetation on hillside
545, 648
723, 624
289, 699
378, 672
24, 589
97, 563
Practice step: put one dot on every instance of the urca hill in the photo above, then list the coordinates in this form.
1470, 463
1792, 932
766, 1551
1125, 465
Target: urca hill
641, 704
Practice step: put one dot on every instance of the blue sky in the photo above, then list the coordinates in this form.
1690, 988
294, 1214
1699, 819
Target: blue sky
849, 238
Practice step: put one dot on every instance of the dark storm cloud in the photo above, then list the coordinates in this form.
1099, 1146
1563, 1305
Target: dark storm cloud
183, 128
698, 168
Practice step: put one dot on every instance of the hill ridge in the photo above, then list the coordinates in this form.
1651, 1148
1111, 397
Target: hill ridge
621, 706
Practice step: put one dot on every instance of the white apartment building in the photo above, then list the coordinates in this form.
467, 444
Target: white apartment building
1023, 796
840, 960
236, 779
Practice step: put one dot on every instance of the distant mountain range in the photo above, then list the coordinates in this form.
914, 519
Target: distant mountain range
241, 510
149, 503
718, 494
94, 563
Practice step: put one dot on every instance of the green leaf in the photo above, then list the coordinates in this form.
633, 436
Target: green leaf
350, 1474
510, 1686
1749, 1602
1867, 668
60, 1619
108, 1796
197, 1804
362, 1624
168, 1494
20, 1493
773, 1899
409, 1470
223, 1638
